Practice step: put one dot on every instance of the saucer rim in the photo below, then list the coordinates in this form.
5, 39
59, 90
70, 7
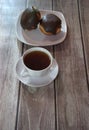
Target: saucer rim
37, 86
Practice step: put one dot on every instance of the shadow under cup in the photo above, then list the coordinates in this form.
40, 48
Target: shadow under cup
37, 61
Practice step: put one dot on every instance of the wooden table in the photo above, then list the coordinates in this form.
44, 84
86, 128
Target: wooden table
62, 105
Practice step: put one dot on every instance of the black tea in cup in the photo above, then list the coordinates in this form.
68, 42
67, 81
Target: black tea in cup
37, 60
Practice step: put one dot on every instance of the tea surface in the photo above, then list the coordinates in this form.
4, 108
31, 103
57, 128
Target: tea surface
37, 60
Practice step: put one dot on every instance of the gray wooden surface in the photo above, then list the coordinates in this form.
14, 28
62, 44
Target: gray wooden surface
62, 105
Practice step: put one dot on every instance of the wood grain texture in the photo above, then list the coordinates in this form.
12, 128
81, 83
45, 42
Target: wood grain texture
72, 101
84, 19
37, 110
69, 92
9, 54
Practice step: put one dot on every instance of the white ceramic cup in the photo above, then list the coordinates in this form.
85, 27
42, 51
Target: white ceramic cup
30, 72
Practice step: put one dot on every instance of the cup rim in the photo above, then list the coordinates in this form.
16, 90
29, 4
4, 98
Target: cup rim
38, 49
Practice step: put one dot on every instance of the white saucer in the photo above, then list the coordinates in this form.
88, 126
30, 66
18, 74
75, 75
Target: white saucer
37, 81
36, 37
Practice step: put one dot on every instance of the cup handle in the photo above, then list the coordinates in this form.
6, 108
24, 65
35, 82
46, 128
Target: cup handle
24, 73
53, 64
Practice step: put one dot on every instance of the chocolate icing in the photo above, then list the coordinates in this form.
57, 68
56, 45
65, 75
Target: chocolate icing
50, 23
30, 19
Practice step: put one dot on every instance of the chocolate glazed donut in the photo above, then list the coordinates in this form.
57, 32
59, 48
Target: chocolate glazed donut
50, 24
30, 18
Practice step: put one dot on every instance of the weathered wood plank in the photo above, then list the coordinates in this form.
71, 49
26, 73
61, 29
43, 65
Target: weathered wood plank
37, 110
9, 54
84, 18
71, 86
